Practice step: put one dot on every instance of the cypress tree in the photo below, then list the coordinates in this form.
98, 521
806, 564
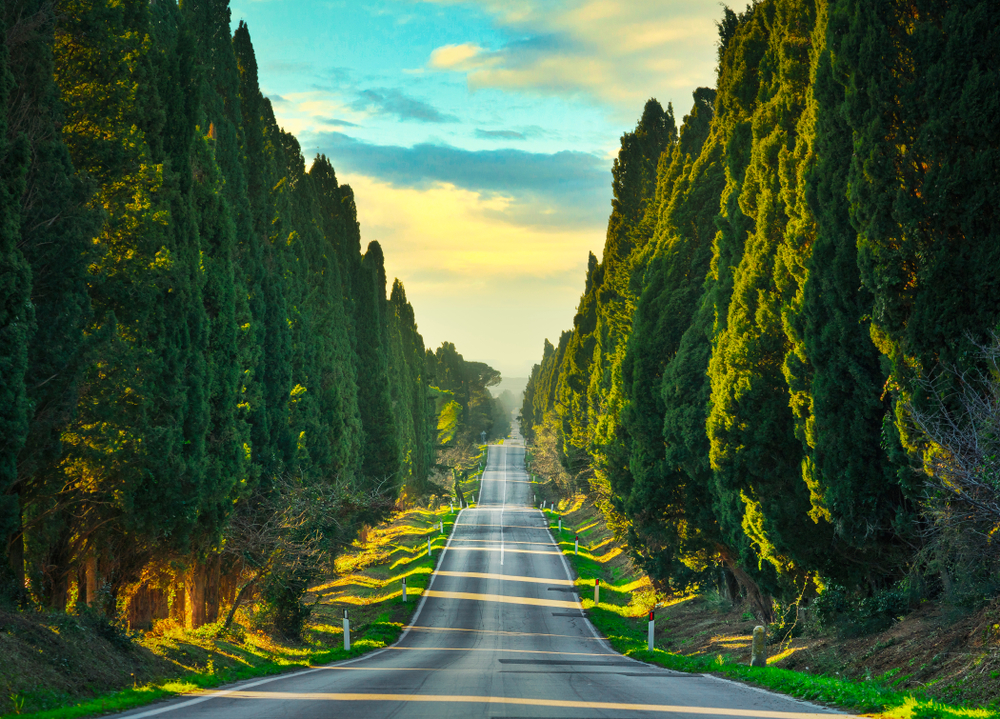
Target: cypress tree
56, 229
657, 477
754, 450
381, 456
16, 315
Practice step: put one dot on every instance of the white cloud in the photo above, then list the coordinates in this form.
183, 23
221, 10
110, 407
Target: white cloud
454, 57
620, 53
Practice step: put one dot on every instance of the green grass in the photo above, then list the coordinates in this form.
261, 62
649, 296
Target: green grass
377, 635
621, 618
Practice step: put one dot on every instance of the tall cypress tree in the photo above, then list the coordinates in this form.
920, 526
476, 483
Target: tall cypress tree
16, 315
56, 231
653, 477
381, 457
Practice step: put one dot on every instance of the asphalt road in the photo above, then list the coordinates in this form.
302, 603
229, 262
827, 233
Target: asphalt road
499, 633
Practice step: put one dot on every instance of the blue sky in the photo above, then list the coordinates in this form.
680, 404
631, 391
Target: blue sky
479, 138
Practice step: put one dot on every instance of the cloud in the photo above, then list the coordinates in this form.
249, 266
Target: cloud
499, 134
390, 101
459, 265
454, 57
615, 52
337, 122
565, 188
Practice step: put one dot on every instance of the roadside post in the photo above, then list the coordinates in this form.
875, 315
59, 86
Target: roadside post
452, 506
404, 590
758, 651
347, 632
652, 624
441, 523
597, 591
560, 525
576, 544
429, 547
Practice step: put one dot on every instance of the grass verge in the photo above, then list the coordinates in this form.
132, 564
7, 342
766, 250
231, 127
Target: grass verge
622, 617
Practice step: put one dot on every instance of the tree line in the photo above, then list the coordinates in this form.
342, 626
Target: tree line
192, 341
804, 266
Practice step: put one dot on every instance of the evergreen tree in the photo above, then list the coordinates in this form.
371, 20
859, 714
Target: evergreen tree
16, 315
656, 475
381, 457
55, 238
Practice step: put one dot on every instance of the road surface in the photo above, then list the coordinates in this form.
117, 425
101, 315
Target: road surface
500, 633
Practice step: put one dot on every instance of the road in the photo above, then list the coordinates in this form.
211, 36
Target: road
499, 633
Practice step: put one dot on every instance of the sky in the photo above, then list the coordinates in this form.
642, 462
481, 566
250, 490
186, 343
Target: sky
479, 137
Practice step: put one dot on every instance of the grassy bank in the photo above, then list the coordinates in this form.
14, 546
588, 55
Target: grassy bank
59, 665
627, 597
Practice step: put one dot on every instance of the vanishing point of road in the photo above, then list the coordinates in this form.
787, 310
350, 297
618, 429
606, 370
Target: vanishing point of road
499, 633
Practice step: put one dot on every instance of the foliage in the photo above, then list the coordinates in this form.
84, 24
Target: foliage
746, 383
186, 321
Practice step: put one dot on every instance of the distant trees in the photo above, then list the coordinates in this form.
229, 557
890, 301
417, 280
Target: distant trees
192, 344
748, 353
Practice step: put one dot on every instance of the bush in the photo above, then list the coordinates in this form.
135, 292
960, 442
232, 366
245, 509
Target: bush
111, 630
854, 615
280, 609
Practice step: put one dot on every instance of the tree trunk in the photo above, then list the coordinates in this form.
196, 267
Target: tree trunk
15, 552
90, 572
194, 588
212, 588
241, 595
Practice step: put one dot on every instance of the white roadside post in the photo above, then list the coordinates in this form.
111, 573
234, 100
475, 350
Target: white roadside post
576, 544
442, 526
429, 547
404, 590
652, 623
347, 632
452, 503
597, 591
560, 525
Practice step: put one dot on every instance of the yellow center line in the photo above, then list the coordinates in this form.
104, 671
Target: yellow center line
453, 548
500, 633
493, 541
505, 577
502, 599
504, 651
518, 701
